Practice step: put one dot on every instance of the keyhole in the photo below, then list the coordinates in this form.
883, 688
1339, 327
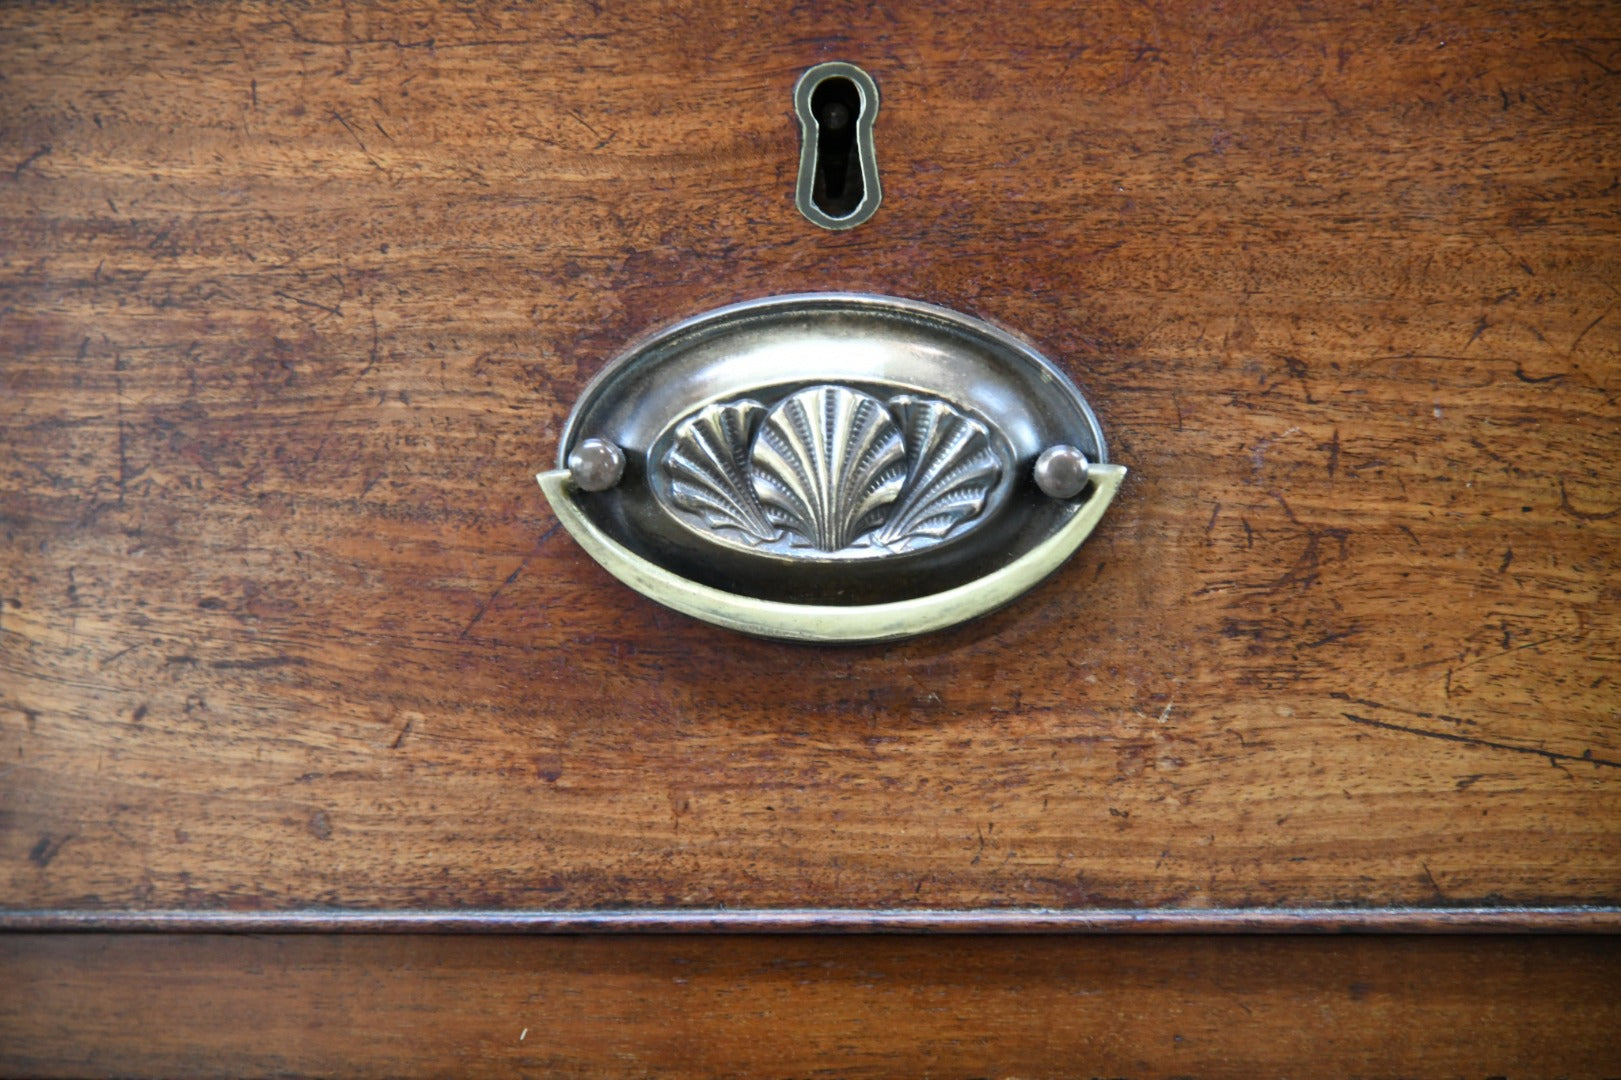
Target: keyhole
838, 172
837, 190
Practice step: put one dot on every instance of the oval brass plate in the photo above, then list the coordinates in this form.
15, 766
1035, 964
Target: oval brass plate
829, 467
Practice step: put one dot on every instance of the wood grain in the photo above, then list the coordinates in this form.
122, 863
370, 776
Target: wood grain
357, 1005
293, 302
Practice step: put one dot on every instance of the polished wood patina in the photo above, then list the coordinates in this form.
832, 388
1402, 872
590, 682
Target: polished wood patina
367, 1005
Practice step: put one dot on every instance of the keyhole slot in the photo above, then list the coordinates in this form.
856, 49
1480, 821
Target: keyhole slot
836, 189
838, 171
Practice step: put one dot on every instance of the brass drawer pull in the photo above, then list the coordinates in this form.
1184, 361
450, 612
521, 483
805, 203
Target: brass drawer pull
831, 467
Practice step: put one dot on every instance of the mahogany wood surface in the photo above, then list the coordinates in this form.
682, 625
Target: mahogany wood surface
294, 299
363, 1005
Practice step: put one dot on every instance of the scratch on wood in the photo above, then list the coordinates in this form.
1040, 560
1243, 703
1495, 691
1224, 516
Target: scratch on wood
1507, 648
122, 653
17, 173
485, 606
1339, 696
1552, 756
356, 137
1519, 373
309, 303
47, 849
1564, 504
342, 401
1589, 326
1329, 639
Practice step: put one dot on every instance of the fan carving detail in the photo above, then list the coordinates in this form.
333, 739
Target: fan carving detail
832, 470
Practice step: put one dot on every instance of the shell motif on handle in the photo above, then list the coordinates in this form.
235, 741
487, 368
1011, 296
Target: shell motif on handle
833, 470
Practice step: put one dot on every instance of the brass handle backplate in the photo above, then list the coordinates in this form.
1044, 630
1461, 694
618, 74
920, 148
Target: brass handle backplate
831, 467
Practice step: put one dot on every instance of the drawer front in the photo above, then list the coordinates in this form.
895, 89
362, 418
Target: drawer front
296, 303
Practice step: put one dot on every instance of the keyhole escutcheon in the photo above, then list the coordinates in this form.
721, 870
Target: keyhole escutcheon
838, 170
